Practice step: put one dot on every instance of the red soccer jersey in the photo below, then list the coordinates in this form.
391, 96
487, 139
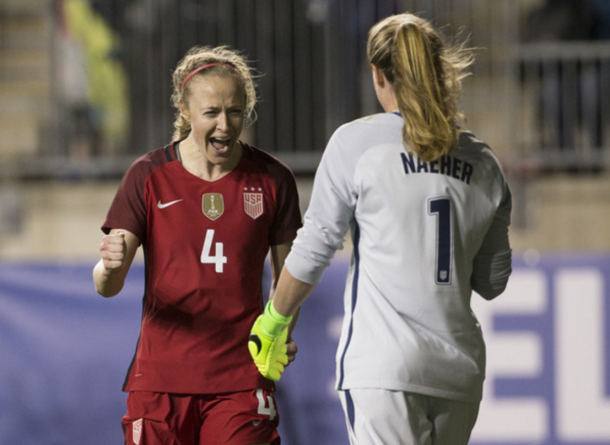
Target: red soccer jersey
205, 245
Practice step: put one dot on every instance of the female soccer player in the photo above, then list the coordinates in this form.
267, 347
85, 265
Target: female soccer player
206, 209
428, 209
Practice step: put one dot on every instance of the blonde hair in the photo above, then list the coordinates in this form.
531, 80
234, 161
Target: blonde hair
223, 61
425, 74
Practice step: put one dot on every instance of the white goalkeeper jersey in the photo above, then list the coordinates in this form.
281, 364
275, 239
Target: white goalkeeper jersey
425, 235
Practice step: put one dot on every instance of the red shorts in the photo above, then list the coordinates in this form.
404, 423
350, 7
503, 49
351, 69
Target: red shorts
240, 418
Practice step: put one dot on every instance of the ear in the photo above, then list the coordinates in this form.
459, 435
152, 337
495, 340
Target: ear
378, 77
185, 112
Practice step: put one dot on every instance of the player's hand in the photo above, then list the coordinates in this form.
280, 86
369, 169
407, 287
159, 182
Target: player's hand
113, 250
267, 343
291, 350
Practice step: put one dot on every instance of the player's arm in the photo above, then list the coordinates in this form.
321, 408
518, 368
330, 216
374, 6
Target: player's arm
278, 258
267, 342
492, 263
290, 294
270, 342
331, 205
117, 250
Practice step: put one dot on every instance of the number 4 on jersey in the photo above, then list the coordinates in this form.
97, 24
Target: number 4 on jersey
262, 405
218, 259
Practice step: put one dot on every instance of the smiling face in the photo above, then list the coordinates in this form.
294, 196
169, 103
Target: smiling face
215, 110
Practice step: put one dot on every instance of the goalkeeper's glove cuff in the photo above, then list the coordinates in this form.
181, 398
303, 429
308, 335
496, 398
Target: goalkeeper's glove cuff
273, 322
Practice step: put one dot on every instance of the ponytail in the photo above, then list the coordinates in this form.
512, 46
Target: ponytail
426, 78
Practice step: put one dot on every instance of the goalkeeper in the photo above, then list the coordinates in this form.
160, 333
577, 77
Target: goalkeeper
428, 210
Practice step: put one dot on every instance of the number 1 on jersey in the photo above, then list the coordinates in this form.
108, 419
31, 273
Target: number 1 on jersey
442, 208
218, 259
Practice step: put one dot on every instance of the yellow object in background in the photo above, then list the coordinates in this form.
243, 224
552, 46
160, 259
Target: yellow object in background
107, 82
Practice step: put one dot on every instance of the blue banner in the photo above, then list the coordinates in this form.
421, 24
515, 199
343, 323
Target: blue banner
64, 351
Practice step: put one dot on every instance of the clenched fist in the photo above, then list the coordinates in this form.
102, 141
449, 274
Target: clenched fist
113, 250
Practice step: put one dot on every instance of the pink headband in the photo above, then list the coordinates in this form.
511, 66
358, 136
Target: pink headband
201, 68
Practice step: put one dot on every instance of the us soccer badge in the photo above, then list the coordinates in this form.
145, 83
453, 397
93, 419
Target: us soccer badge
253, 203
212, 205
137, 431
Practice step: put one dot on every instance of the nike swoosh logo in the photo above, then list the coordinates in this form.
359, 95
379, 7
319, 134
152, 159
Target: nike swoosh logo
257, 422
161, 205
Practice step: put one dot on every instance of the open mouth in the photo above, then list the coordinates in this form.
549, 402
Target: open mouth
220, 145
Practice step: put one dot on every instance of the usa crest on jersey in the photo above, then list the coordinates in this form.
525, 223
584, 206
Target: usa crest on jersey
253, 204
212, 205
137, 431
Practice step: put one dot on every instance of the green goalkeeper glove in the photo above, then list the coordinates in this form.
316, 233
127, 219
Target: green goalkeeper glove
267, 343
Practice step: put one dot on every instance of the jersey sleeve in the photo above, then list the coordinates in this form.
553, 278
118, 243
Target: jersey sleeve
288, 213
328, 216
492, 263
128, 209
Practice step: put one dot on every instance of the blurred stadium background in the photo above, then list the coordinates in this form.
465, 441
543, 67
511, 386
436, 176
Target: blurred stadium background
85, 88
